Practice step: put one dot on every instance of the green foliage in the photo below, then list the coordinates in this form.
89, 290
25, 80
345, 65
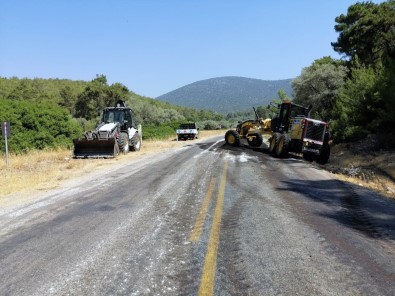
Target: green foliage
43, 108
386, 88
318, 85
210, 125
367, 32
359, 104
38, 89
98, 95
162, 131
366, 101
148, 111
37, 125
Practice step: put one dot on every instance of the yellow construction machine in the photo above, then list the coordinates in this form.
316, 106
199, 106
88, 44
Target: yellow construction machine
290, 130
251, 130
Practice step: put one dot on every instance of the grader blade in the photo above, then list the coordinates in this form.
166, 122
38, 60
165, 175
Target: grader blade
84, 148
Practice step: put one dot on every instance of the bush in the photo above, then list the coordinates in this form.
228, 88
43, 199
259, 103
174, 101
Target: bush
162, 131
37, 125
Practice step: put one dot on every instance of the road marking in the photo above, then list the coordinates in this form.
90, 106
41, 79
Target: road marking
199, 223
210, 264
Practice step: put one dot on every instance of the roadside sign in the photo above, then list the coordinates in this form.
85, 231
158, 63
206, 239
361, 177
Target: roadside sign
5, 129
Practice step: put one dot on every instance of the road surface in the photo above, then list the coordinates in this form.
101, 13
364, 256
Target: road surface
205, 219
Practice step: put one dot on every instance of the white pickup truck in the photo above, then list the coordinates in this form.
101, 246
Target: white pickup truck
187, 131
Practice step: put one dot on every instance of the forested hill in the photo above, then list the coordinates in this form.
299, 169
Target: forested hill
227, 94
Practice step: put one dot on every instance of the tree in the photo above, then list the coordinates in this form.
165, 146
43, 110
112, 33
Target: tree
365, 104
367, 32
318, 85
68, 99
359, 104
98, 95
282, 94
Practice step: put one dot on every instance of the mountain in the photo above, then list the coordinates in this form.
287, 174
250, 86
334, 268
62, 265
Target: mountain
227, 94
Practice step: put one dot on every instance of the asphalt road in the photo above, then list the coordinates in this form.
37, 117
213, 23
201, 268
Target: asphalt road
206, 219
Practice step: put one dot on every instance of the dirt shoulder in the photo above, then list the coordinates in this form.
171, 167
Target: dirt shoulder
370, 168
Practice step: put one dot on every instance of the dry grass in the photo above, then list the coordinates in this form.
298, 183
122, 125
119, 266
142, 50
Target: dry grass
45, 170
375, 171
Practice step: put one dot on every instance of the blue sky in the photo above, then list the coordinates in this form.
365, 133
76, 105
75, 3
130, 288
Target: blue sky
156, 46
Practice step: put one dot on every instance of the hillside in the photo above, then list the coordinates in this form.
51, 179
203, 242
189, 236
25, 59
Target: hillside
227, 94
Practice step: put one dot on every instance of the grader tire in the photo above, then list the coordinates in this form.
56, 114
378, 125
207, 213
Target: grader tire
273, 143
324, 155
257, 141
282, 146
232, 138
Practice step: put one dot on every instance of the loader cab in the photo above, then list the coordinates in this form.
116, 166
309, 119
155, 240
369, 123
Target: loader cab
118, 114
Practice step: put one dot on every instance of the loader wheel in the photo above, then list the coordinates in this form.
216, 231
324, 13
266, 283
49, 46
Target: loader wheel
123, 142
257, 141
116, 148
136, 143
232, 138
282, 146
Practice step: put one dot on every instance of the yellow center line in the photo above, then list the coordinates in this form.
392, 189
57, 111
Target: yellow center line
198, 228
210, 264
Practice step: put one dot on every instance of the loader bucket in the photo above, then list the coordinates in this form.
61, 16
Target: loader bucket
84, 148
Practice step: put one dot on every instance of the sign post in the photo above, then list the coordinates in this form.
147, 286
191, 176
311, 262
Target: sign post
6, 132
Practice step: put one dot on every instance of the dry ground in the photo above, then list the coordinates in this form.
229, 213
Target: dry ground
41, 171
371, 169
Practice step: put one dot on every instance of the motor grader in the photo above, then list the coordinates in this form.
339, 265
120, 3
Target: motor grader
116, 133
292, 130
251, 130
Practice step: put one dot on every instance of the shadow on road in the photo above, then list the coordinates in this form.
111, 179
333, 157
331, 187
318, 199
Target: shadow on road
371, 215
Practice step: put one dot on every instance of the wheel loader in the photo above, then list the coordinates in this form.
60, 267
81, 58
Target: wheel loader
290, 130
116, 133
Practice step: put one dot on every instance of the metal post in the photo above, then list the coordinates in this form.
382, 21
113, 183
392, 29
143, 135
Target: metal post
6, 147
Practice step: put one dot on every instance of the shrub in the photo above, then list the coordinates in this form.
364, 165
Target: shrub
37, 125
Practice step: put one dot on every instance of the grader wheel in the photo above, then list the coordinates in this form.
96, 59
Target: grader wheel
272, 143
232, 138
282, 146
257, 141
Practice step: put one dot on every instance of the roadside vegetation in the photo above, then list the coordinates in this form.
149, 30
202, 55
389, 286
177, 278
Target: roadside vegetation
50, 113
356, 94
